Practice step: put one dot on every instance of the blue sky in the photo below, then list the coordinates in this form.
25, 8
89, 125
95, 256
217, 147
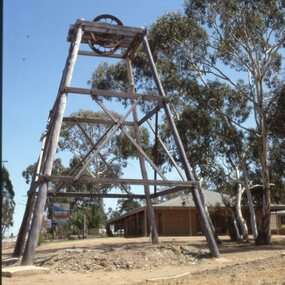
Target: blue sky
34, 54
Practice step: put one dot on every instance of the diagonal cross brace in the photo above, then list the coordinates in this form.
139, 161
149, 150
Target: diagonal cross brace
168, 153
110, 169
139, 148
106, 139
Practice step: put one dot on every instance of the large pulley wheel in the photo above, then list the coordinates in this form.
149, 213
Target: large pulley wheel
103, 43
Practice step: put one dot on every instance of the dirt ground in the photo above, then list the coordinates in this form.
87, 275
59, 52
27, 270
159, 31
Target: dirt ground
176, 260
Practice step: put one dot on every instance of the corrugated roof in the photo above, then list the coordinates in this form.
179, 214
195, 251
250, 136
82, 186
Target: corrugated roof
212, 198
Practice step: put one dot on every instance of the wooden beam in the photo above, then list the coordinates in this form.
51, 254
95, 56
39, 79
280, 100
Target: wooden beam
149, 115
114, 195
169, 191
142, 155
133, 46
179, 170
115, 181
109, 135
95, 195
112, 28
95, 121
25, 225
91, 53
106, 93
39, 207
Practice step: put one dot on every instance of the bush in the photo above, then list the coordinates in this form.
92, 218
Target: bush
282, 227
41, 239
44, 237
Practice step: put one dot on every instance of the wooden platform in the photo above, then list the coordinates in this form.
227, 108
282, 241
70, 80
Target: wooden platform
130, 37
24, 271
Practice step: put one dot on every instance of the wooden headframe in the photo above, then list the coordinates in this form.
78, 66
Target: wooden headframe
124, 42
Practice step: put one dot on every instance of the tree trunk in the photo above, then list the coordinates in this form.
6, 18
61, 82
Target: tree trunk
264, 232
240, 218
84, 227
250, 204
238, 237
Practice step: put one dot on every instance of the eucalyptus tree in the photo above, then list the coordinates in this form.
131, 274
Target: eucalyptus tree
238, 43
246, 37
8, 203
276, 121
76, 141
83, 211
209, 117
79, 139
200, 112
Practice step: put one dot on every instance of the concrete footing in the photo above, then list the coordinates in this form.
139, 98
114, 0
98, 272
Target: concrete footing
23, 271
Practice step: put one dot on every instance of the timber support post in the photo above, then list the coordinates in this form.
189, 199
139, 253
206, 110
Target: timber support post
43, 186
197, 199
151, 216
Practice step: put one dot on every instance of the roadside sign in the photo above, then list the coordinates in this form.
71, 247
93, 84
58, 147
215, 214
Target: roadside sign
60, 213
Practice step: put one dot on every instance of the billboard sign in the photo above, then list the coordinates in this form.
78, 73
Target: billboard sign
60, 213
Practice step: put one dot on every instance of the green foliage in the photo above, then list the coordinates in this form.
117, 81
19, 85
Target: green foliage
110, 76
41, 239
124, 206
78, 140
127, 150
44, 238
8, 204
28, 172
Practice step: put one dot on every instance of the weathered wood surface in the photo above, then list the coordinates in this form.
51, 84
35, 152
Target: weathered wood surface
55, 132
97, 195
130, 37
109, 134
113, 94
142, 157
115, 181
104, 26
129, 53
179, 170
95, 121
92, 53
149, 115
116, 195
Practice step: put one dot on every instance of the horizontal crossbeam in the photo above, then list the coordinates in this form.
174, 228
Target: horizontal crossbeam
94, 195
115, 181
168, 191
95, 121
92, 53
114, 195
106, 93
